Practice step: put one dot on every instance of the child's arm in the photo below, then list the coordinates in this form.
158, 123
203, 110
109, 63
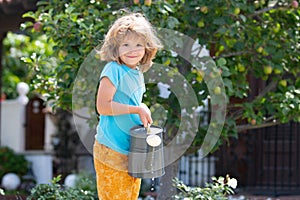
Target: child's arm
106, 105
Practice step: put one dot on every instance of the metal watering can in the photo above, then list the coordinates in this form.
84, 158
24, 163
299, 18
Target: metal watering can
146, 159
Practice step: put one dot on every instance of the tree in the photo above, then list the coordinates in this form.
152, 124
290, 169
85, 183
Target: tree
18, 47
256, 40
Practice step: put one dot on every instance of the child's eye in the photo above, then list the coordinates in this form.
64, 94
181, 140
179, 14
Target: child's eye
125, 45
139, 45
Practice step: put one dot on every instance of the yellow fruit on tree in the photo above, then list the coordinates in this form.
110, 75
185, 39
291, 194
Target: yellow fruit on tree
268, 70
283, 83
237, 11
217, 90
277, 27
260, 49
148, 2
200, 24
204, 9
277, 71
241, 68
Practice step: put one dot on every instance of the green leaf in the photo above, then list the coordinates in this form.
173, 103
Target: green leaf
228, 85
243, 17
219, 21
26, 60
172, 22
221, 62
29, 14
70, 9
168, 7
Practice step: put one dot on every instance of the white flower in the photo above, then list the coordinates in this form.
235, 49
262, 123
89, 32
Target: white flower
1, 192
221, 180
232, 183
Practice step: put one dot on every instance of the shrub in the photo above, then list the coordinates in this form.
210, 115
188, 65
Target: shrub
55, 191
12, 162
86, 181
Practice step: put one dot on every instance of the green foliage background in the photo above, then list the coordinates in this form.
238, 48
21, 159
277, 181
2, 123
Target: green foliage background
17, 49
257, 39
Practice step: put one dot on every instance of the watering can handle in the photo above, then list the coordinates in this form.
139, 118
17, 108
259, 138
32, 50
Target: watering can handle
148, 128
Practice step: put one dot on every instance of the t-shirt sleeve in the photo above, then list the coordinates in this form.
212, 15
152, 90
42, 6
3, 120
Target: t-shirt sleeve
111, 72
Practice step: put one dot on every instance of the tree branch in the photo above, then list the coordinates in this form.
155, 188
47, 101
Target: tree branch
270, 118
241, 128
78, 115
231, 54
258, 12
266, 9
237, 114
267, 89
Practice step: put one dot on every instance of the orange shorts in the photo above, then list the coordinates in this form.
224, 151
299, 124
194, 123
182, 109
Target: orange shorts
113, 180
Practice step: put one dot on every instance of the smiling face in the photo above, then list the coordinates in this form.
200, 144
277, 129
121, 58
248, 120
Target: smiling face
132, 50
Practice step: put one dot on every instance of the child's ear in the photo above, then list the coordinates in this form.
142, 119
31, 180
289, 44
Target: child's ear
116, 53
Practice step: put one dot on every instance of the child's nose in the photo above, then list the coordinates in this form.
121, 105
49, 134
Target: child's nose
134, 49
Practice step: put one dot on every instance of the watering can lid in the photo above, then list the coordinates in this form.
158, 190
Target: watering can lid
140, 130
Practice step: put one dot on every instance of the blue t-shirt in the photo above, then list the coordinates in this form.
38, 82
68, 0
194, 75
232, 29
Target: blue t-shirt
113, 131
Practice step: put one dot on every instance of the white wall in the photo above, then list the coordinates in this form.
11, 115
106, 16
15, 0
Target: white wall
12, 125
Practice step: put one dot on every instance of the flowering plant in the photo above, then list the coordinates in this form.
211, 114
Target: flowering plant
218, 189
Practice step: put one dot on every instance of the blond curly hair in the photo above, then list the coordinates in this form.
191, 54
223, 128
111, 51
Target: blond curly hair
134, 23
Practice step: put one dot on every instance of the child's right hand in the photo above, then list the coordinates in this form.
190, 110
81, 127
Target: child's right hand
145, 115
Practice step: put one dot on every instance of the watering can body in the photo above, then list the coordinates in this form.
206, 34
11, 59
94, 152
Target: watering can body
145, 158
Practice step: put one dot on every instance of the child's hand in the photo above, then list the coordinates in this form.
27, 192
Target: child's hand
145, 115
